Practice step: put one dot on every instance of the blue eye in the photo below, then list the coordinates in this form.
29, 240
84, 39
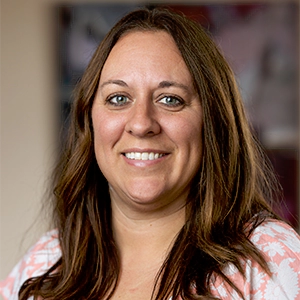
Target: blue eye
171, 101
118, 100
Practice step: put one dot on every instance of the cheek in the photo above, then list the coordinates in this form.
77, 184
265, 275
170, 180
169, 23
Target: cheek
197, 137
191, 142
107, 132
189, 132
107, 129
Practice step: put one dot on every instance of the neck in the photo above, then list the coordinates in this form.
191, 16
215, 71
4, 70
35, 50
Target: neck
143, 236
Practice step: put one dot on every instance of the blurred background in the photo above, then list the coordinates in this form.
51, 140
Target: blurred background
45, 47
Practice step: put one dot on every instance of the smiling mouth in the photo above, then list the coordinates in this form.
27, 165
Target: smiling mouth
143, 155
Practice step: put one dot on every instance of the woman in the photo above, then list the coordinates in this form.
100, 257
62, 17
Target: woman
162, 191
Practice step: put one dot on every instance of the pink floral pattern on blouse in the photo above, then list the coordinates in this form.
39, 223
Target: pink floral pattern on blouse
277, 241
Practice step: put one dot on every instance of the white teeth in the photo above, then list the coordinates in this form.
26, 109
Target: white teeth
143, 155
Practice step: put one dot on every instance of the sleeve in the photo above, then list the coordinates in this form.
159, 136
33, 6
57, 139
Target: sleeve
36, 261
280, 245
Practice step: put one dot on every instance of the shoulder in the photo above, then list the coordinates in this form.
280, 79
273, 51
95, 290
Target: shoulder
280, 245
273, 234
39, 258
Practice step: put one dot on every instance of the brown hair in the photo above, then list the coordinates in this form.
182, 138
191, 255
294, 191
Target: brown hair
228, 196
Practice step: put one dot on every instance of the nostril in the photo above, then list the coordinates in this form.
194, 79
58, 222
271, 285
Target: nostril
142, 126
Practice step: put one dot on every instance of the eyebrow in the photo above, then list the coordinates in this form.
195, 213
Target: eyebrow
117, 82
166, 84
162, 84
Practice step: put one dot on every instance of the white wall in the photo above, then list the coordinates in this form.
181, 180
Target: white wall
27, 123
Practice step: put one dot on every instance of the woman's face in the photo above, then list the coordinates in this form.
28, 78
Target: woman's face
147, 122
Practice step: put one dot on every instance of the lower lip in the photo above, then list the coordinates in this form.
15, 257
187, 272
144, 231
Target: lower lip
144, 163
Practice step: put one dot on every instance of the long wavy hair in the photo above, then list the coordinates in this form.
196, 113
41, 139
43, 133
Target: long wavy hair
229, 196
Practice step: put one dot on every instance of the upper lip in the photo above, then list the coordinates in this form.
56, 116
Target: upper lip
147, 150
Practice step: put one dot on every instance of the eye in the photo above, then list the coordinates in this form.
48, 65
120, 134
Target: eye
172, 101
117, 100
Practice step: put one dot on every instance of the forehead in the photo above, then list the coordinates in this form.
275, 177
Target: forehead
145, 52
145, 42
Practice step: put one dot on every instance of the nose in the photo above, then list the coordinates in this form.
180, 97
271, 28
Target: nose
142, 120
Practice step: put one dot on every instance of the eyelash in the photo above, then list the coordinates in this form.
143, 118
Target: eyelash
110, 100
179, 101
